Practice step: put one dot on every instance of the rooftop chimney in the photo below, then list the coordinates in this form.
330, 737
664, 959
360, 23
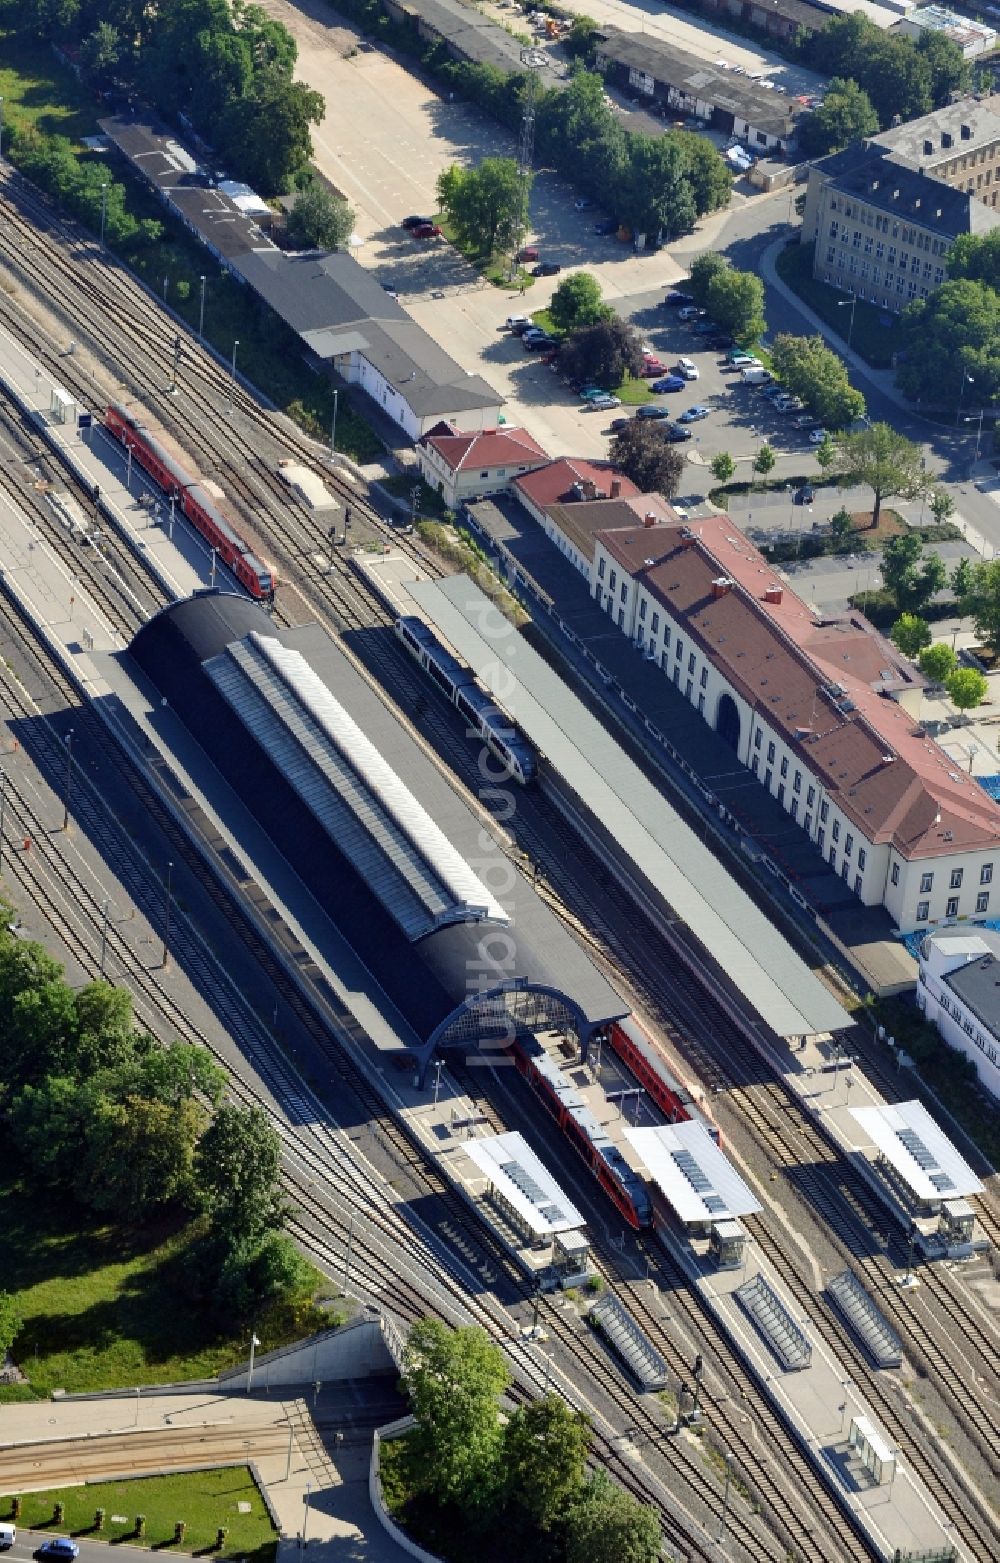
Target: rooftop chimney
721, 585
616, 488
650, 518
688, 538
589, 489
773, 594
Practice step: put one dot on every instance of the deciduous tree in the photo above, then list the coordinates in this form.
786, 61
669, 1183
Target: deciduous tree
845, 115
942, 505
736, 303
911, 577
911, 634
818, 376
641, 452
577, 302
966, 688
764, 460
268, 135
319, 219
954, 332
937, 661
608, 1525
882, 459
11, 1322
702, 273
237, 1168
983, 601
604, 353
486, 203
545, 1447
454, 1380
723, 466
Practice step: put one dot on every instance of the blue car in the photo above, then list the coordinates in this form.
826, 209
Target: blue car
670, 382
59, 1547
694, 415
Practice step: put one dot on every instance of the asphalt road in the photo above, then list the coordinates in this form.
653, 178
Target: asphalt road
29, 1542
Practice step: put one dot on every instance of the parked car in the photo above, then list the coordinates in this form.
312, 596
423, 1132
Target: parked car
619, 423
705, 328
720, 343
588, 392
805, 420
675, 298
689, 312
651, 365
687, 369
650, 410
391, 289
528, 253
546, 269
606, 228
675, 432
738, 358
427, 231
694, 414
59, 1547
817, 436
581, 204
417, 222
539, 343
804, 495
518, 323
603, 403
756, 374
670, 382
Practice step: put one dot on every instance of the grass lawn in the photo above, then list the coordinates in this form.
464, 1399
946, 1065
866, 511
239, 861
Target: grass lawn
103, 1306
873, 342
203, 1500
495, 268
633, 393
39, 91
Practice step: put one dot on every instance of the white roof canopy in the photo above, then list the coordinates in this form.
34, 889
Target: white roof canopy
911, 1141
510, 1164
689, 1168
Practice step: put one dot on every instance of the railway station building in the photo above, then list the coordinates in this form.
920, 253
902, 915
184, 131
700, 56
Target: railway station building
383, 844
820, 709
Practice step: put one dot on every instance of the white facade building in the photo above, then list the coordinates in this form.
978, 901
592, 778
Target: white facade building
958, 992
823, 712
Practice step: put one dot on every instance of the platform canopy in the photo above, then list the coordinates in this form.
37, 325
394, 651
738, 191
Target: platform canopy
921, 1153
646, 830
692, 1173
510, 1164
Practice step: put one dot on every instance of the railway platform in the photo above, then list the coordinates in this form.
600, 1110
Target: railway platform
139, 514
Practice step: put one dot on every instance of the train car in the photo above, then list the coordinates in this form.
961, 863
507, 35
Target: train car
623, 1186
458, 684
195, 502
647, 1064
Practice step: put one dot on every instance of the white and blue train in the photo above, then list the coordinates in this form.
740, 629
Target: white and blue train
458, 684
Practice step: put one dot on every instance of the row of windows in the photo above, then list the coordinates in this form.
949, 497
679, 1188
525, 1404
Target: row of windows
955, 879
969, 1027
951, 908
883, 300
881, 224
807, 821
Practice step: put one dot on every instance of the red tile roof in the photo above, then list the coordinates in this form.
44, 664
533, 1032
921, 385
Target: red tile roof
553, 483
486, 448
824, 683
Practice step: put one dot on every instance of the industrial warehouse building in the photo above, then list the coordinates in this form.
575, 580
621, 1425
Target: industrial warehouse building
821, 710
376, 835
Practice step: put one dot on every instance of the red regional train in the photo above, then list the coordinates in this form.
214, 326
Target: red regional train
645, 1061
193, 499
618, 1180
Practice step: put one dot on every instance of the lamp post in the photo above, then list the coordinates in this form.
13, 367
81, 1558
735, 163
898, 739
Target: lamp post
171, 388
333, 425
169, 906
842, 304
438, 1066
69, 778
104, 210
232, 375
3, 812
104, 931
966, 380
725, 1499
201, 311
254, 1343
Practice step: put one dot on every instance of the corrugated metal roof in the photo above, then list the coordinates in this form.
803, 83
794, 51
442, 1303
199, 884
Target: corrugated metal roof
920, 1151
679, 867
337, 771
689, 1168
524, 1181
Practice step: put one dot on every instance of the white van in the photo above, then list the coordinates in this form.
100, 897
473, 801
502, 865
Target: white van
757, 375
8, 1536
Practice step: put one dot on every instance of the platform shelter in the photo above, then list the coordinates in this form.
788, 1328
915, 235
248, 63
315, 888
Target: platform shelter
704, 1191
529, 1198
919, 1162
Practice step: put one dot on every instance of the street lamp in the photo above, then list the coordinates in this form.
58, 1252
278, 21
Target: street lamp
966, 380
979, 436
201, 312
725, 1500
254, 1343
3, 812
104, 210
69, 778
232, 379
333, 425
166, 919
842, 304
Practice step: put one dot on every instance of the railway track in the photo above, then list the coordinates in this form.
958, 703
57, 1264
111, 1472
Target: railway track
301, 543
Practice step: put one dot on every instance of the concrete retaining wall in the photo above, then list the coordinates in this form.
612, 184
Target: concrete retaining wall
393, 1430
356, 1351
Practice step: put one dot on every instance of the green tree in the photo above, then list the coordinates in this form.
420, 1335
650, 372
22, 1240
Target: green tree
608, 1525
951, 72
178, 1074
36, 1012
723, 467
485, 204
702, 273
605, 353
975, 257
911, 587
545, 1447
937, 661
454, 1380
983, 601
707, 173
882, 459
811, 371
320, 220
911, 634
236, 1171
138, 1156
842, 533
103, 1031
826, 453
579, 41
101, 52
966, 688
656, 197
11, 1323
49, 1123
764, 460
736, 303
942, 505
640, 451
952, 333
845, 115
288, 109
577, 302
961, 581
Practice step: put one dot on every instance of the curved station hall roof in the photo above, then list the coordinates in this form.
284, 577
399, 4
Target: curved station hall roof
318, 759
646, 829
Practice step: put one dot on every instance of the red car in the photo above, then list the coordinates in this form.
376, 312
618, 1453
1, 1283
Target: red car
426, 231
651, 365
